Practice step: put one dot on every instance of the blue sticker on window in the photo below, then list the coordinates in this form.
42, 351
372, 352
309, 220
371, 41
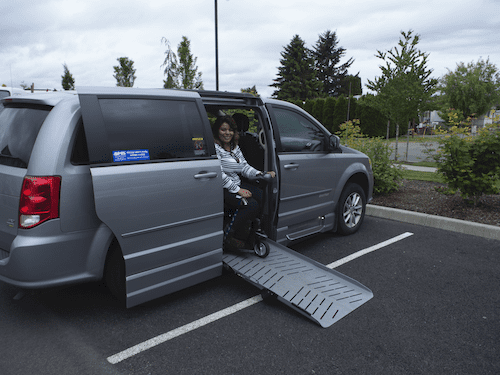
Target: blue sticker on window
130, 155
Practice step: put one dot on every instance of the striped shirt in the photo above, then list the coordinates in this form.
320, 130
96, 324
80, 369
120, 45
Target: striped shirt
233, 164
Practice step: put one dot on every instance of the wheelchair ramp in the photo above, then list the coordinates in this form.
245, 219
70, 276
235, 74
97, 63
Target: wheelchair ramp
322, 294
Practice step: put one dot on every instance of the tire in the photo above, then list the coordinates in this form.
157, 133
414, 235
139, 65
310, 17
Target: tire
261, 249
351, 209
114, 272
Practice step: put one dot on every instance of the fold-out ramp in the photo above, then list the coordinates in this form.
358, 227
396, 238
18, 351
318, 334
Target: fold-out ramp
322, 294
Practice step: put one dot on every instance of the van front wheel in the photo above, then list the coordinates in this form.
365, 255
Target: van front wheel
352, 207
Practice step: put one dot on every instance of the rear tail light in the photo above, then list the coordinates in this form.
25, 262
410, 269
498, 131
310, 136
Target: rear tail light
39, 200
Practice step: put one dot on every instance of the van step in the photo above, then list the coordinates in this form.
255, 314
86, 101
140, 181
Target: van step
322, 294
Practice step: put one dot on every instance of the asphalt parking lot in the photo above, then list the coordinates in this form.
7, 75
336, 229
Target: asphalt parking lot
435, 310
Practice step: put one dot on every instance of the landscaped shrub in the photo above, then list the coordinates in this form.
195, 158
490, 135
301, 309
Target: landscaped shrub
386, 174
470, 164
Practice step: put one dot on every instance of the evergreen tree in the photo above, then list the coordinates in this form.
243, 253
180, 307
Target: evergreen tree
296, 77
170, 65
125, 72
182, 73
68, 82
340, 113
317, 110
328, 110
308, 106
327, 56
189, 75
351, 86
372, 122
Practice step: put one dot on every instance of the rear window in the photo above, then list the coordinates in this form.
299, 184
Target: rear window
19, 127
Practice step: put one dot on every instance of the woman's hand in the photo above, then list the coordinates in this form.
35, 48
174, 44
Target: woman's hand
244, 193
272, 174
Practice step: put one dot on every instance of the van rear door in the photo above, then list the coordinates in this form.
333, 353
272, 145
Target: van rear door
157, 185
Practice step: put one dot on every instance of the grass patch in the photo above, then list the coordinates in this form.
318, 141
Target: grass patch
428, 176
422, 176
425, 164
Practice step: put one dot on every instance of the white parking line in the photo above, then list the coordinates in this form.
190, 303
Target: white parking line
182, 330
369, 250
130, 352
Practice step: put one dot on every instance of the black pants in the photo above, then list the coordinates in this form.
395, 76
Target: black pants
246, 213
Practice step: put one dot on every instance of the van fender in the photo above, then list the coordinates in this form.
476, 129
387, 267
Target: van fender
98, 251
357, 173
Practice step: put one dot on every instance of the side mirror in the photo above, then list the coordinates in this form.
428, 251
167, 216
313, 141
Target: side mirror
334, 143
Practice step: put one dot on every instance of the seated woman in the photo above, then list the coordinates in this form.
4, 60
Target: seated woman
234, 165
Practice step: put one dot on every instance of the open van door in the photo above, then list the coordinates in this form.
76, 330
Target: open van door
308, 175
157, 186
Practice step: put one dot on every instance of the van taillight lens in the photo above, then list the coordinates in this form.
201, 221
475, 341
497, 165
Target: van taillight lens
39, 200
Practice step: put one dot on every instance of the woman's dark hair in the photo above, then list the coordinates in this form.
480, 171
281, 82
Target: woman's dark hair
227, 120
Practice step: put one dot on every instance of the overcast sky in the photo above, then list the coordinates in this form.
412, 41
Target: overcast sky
38, 36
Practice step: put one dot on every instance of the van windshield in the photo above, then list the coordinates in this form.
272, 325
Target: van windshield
19, 127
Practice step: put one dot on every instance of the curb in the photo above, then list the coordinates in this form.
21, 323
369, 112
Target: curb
454, 225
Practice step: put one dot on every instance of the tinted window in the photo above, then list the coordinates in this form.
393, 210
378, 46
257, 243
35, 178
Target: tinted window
4, 94
147, 129
297, 133
19, 127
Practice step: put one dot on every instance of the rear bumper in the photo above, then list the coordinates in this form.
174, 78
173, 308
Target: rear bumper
38, 260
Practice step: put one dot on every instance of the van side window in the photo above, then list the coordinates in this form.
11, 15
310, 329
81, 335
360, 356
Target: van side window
297, 133
153, 129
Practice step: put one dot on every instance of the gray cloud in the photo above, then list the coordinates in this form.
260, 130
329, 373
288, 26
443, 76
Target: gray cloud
38, 36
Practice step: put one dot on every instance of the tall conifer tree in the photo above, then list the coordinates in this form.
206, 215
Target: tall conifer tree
68, 82
327, 56
296, 77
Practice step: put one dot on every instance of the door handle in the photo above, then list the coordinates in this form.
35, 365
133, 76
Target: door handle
291, 166
205, 175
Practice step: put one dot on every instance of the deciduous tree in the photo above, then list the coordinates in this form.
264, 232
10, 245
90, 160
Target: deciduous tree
471, 89
251, 90
405, 86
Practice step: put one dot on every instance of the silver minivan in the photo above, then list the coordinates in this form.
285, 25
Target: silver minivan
124, 185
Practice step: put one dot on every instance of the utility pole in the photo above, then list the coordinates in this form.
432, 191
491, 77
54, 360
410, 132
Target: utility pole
216, 51
349, 101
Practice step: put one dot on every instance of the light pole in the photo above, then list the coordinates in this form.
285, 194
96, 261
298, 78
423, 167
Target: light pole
216, 52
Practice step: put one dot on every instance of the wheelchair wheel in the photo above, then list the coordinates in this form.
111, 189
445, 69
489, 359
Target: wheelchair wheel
261, 249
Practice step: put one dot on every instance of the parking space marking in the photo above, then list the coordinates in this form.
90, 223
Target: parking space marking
148, 344
369, 250
114, 359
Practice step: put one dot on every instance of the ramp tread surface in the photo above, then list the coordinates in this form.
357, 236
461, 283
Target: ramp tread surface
322, 294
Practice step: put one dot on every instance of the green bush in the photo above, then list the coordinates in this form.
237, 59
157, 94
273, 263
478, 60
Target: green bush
470, 164
386, 174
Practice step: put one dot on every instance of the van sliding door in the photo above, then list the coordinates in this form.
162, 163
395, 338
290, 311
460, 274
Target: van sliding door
157, 185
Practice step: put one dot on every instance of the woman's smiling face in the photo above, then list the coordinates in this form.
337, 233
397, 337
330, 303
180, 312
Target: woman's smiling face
226, 134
